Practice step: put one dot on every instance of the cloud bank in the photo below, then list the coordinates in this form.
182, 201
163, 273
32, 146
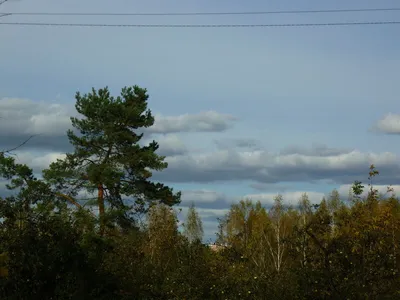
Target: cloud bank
389, 124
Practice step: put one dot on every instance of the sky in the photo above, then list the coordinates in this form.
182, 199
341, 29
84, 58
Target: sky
240, 112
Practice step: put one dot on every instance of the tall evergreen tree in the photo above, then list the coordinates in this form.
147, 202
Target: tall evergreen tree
107, 157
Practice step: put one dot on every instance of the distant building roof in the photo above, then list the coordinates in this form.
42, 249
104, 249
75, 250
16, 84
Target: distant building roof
216, 247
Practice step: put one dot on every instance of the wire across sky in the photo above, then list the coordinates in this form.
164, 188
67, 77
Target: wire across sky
4, 15
201, 25
208, 13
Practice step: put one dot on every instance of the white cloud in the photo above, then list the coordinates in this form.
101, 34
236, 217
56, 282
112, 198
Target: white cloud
208, 121
43, 123
46, 160
205, 213
170, 145
204, 196
21, 118
314, 150
389, 124
259, 167
269, 186
267, 167
37, 161
205, 199
27, 117
229, 143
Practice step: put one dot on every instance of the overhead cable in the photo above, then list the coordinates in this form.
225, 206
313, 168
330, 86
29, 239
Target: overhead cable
208, 13
203, 25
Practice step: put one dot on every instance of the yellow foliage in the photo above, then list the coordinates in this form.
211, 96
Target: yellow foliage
3, 269
3, 272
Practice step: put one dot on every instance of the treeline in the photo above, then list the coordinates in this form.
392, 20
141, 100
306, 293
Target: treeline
125, 242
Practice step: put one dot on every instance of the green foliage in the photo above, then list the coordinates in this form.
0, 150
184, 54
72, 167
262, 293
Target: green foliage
51, 248
108, 158
327, 251
357, 188
193, 226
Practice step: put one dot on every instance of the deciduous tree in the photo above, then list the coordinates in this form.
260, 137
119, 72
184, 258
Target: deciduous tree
193, 226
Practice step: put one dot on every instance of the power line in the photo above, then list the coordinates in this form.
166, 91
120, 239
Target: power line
3, 14
207, 13
202, 25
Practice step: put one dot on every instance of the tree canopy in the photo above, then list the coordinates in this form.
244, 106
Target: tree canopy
52, 246
107, 156
193, 226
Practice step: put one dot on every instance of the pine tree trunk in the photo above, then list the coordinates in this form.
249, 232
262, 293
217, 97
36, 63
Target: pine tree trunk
100, 201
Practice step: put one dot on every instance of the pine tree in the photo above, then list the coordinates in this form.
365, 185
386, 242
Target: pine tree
107, 157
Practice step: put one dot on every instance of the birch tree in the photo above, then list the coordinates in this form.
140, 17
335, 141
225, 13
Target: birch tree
193, 226
279, 232
162, 230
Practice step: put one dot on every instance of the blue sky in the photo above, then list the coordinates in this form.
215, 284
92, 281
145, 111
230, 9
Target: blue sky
292, 94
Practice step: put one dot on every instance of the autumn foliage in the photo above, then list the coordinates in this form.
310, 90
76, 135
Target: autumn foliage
126, 242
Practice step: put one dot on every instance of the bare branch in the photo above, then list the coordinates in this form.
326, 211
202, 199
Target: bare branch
17, 147
4, 14
71, 200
